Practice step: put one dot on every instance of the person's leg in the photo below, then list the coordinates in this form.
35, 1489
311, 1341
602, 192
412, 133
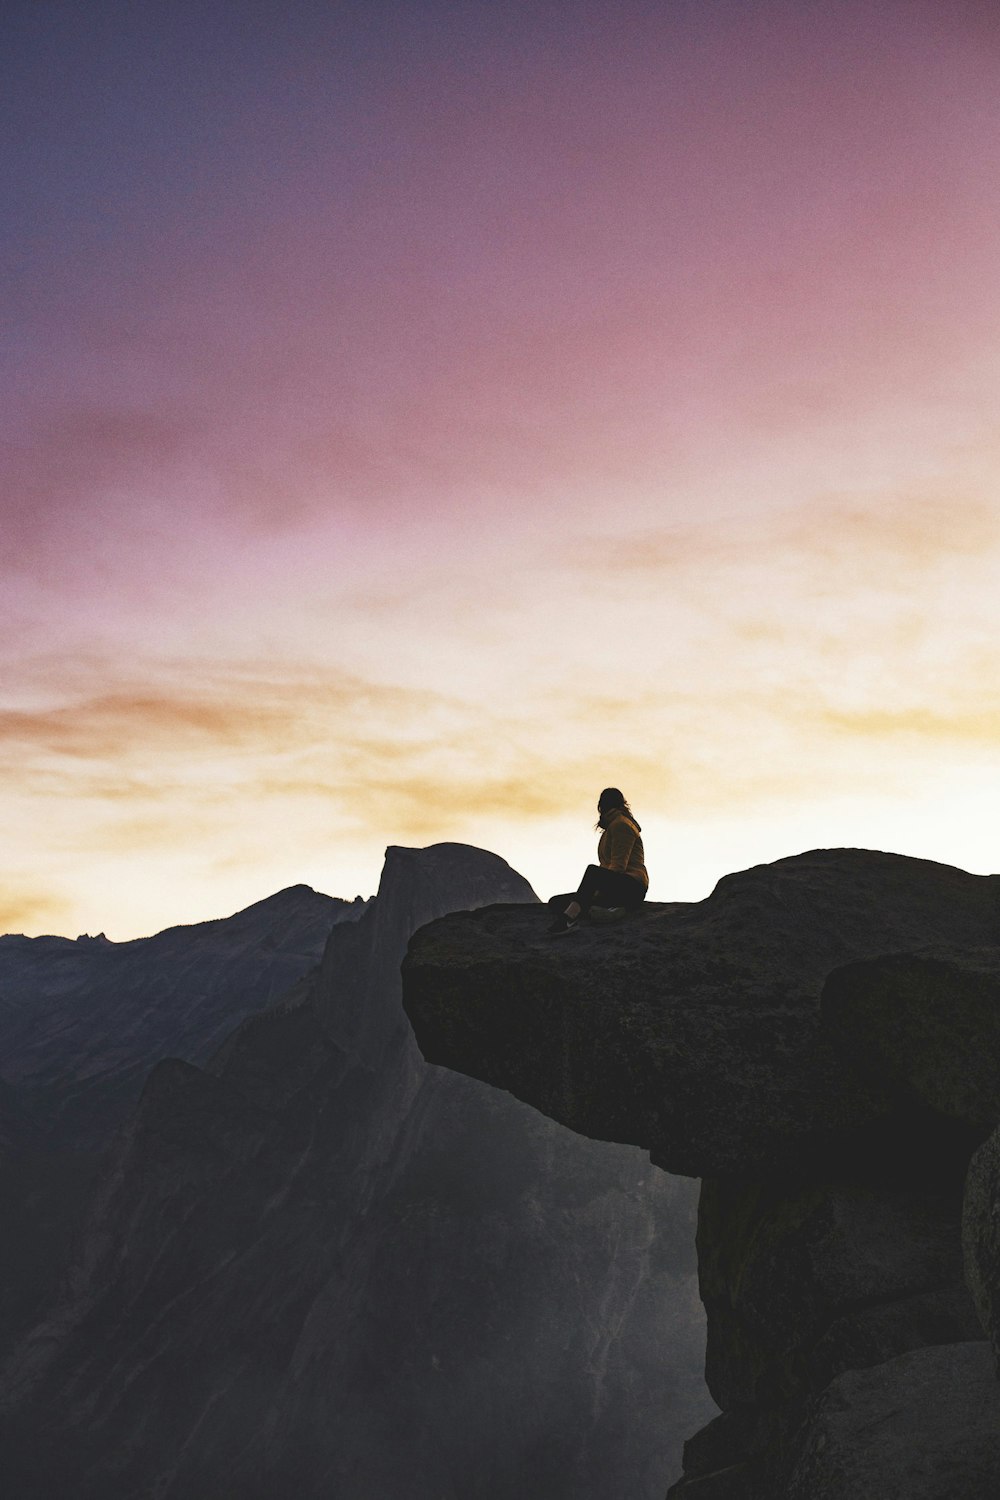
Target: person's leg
614, 888
589, 887
565, 909
571, 905
600, 887
625, 890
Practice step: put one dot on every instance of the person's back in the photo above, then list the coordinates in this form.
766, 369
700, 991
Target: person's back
621, 848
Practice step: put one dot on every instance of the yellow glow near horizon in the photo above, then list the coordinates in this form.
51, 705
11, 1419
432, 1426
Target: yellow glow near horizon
788, 692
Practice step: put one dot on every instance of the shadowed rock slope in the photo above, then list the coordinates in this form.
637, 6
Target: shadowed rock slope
82, 1023
819, 1040
319, 1267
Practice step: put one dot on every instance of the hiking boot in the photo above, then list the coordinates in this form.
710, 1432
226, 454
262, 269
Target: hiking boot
560, 926
605, 914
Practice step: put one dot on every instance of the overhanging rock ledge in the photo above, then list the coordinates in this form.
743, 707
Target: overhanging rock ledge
819, 1041
696, 1030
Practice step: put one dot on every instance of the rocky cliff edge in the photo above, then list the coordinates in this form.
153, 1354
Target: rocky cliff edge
819, 1040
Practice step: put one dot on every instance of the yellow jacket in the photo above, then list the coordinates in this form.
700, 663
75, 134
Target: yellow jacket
621, 847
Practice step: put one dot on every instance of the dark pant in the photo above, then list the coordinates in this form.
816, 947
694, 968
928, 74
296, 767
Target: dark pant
600, 887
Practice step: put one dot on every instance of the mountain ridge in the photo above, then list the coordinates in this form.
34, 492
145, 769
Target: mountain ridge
81, 1024
315, 1264
275, 900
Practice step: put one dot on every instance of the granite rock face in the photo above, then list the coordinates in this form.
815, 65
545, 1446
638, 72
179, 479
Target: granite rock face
981, 1236
695, 1030
803, 1282
926, 1025
317, 1266
923, 1424
819, 1040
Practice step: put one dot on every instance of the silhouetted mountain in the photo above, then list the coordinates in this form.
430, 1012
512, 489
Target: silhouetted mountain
319, 1267
14, 1123
82, 1023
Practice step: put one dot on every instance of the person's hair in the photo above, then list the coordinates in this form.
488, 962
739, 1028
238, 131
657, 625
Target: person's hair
610, 798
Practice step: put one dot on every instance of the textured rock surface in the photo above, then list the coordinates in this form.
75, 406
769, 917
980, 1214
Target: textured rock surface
925, 1426
319, 1267
801, 1285
15, 1127
981, 1236
695, 1030
819, 1041
929, 1026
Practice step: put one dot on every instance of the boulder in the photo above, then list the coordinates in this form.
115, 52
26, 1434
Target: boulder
923, 1426
801, 1284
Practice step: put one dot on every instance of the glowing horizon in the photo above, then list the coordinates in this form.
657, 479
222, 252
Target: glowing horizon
455, 412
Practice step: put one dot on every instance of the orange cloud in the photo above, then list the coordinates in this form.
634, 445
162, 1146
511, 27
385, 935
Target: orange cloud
218, 710
969, 724
22, 911
829, 532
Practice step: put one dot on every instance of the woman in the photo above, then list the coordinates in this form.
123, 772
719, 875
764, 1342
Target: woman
619, 883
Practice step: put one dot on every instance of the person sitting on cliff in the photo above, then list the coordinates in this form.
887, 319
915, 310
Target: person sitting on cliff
616, 885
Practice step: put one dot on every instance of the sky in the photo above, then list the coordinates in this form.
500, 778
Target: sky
419, 416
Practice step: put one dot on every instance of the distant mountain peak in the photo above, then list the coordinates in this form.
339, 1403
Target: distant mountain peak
450, 862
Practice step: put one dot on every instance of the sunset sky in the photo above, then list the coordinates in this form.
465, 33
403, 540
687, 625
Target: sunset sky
418, 416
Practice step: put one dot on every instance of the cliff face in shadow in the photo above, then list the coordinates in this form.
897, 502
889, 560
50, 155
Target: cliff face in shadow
819, 1041
82, 1023
317, 1266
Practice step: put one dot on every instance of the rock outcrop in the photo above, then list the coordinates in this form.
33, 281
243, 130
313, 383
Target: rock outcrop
924, 1424
317, 1266
819, 1040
